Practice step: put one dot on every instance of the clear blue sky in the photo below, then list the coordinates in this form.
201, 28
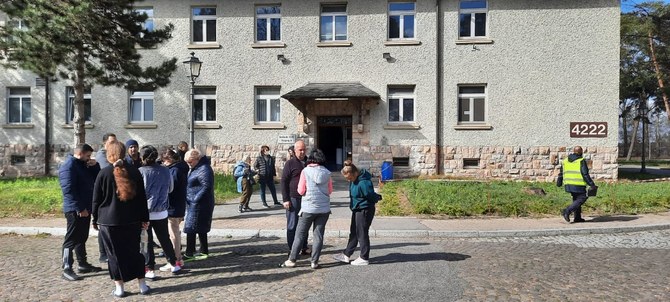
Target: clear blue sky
627, 5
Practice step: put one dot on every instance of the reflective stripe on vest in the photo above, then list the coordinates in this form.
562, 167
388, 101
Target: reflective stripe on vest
572, 172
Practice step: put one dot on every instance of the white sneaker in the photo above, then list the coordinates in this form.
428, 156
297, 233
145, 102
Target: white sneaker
315, 265
360, 261
341, 258
288, 263
149, 274
175, 269
166, 268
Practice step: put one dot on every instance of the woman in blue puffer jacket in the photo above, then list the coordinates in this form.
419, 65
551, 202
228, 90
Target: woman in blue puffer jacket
199, 203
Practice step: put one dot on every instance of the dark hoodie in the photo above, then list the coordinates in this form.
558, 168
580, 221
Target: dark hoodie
361, 192
584, 169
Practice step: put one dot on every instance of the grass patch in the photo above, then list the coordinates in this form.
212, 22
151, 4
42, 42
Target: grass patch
509, 199
34, 197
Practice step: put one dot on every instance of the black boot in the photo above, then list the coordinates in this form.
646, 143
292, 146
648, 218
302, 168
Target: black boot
85, 267
566, 215
68, 273
265, 205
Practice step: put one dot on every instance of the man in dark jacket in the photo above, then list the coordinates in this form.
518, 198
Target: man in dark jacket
574, 175
293, 199
101, 158
265, 165
133, 156
77, 176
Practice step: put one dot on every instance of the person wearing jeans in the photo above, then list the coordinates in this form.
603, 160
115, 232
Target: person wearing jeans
265, 165
362, 200
315, 185
157, 185
293, 199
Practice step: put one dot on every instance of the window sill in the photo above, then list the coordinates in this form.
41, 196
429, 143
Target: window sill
402, 42
18, 126
473, 127
402, 127
268, 45
334, 44
203, 46
70, 126
207, 126
141, 126
268, 126
474, 41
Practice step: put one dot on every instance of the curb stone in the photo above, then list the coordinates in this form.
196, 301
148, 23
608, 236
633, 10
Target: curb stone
255, 233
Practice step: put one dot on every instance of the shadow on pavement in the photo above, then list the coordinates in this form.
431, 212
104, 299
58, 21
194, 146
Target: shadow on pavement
612, 218
397, 245
398, 257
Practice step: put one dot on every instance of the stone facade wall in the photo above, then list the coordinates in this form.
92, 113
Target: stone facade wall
540, 163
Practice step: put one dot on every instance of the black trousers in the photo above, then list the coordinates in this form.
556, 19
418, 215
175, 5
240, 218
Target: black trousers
359, 232
578, 199
160, 227
76, 235
190, 243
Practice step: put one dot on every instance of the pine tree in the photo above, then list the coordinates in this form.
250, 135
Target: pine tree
90, 42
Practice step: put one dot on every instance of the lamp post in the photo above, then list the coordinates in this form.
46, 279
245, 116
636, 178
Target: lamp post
643, 121
193, 64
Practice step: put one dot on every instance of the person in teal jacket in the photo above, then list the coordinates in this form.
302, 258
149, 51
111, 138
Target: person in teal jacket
362, 200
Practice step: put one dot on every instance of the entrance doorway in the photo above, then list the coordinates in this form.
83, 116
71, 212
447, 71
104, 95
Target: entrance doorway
334, 139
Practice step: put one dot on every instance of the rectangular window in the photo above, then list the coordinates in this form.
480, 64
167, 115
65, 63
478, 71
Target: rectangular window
471, 163
333, 22
70, 105
203, 29
19, 109
268, 23
402, 21
148, 24
472, 104
141, 106
401, 161
472, 18
267, 104
204, 104
401, 104
17, 25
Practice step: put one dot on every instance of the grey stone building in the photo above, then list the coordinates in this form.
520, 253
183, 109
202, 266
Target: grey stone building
485, 88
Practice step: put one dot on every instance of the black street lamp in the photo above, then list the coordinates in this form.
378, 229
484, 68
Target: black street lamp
193, 64
643, 120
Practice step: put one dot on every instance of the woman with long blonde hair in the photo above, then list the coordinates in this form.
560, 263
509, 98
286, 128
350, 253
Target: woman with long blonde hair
120, 213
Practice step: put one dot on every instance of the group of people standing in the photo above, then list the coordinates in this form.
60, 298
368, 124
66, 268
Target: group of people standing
126, 190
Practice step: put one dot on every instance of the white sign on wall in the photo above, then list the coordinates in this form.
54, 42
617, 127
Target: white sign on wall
286, 139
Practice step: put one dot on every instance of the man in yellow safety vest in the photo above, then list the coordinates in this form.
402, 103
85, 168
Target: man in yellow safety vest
575, 176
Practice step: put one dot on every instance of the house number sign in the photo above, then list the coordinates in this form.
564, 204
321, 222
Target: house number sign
588, 129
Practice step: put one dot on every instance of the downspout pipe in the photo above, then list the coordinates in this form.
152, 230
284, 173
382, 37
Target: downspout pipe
438, 87
47, 128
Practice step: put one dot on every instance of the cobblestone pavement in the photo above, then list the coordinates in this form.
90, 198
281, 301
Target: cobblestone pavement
617, 267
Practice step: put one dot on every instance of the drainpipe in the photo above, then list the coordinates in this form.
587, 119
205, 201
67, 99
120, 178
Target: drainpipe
47, 127
438, 89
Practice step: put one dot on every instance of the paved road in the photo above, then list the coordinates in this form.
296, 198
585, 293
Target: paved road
616, 267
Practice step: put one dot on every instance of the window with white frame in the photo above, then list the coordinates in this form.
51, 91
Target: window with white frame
203, 28
268, 23
204, 104
70, 105
472, 18
267, 104
472, 104
401, 104
402, 20
148, 24
333, 22
141, 106
17, 24
19, 108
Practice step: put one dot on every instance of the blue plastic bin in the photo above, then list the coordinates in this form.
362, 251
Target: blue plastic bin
387, 171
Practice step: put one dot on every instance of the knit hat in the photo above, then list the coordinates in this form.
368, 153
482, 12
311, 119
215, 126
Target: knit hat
131, 142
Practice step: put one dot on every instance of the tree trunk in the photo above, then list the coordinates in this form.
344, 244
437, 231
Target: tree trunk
657, 136
633, 138
659, 75
624, 121
79, 119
